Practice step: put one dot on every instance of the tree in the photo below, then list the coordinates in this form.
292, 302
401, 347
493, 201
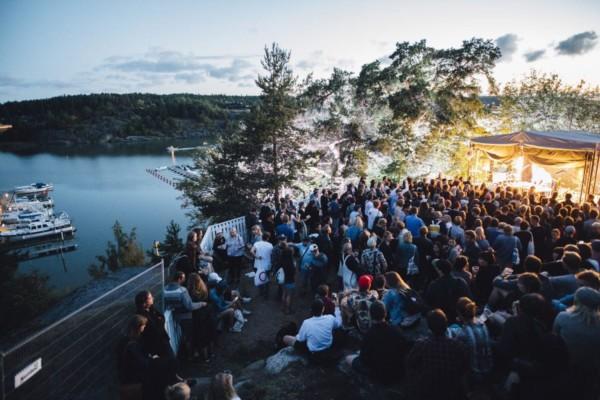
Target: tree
545, 102
170, 246
278, 155
257, 157
425, 101
127, 252
224, 188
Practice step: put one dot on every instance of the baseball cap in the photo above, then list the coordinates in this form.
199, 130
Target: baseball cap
364, 282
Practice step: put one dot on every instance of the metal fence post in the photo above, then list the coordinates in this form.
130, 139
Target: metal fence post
162, 283
2, 378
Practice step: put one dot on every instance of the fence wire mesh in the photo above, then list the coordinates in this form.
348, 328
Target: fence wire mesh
78, 352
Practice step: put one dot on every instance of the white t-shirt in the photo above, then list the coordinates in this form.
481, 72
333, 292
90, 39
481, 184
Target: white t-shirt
371, 215
262, 261
317, 332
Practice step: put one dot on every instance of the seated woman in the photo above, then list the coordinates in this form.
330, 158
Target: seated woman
227, 311
394, 299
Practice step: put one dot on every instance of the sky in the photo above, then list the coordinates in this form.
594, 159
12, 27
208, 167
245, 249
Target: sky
55, 47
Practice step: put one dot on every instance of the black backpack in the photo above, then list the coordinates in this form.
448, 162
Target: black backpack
414, 302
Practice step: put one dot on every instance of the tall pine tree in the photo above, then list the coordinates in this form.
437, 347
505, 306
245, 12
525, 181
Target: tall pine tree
258, 157
279, 156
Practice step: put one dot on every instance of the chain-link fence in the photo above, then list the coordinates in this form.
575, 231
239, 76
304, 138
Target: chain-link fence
75, 357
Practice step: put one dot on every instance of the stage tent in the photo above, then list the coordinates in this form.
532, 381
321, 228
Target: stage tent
563, 153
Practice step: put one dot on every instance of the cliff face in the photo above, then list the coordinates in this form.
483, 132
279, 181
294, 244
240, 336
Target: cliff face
108, 118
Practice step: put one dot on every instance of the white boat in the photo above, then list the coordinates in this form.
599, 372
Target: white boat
20, 215
23, 203
34, 188
59, 225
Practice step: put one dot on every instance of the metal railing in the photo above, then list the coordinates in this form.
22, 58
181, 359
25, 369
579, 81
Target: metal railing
75, 357
211, 232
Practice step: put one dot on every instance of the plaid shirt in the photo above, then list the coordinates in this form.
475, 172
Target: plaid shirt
477, 339
436, 366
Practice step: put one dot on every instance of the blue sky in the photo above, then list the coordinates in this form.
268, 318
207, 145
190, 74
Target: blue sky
55, 47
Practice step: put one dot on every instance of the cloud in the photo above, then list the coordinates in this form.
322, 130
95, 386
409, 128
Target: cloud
508, 45
7, 82
157, 66
534, 55
580, 43
315, 59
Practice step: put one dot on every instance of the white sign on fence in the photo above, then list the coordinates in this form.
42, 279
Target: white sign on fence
28, 372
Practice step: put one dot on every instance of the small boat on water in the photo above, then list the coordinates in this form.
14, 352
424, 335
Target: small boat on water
34, 188
55, 226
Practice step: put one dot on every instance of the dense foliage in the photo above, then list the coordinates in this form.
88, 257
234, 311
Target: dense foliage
544, 102
412, 111
22, 295
125, 252
106, 117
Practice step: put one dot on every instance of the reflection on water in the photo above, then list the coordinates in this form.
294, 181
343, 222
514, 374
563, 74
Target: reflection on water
98, 186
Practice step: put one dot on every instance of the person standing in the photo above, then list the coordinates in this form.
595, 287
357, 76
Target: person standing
262, 251
235, 256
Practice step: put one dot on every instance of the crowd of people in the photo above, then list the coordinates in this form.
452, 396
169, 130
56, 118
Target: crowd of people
456, 287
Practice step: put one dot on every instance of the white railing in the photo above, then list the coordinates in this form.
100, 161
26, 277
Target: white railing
211, 232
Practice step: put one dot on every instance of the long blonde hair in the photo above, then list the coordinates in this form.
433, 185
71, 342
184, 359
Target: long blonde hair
358, 222
197, 287
479, 233
395, 281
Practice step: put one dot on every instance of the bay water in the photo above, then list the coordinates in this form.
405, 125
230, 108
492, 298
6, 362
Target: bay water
97, 186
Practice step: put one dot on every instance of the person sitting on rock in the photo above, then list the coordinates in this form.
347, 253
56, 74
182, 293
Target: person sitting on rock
316, 333
382, 349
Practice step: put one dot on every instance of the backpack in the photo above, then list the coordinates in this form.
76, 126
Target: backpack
363, 314
372, 265
413, 302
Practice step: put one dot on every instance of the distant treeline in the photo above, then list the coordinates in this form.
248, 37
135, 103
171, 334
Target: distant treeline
100, 118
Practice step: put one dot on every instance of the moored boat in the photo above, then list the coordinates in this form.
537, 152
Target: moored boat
34, 188
58, 225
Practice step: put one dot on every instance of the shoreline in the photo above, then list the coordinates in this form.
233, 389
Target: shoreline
117, 144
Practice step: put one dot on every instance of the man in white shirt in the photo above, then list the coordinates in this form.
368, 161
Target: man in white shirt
316, 333
261, 251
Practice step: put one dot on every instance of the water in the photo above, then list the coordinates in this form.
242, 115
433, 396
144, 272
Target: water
96, 187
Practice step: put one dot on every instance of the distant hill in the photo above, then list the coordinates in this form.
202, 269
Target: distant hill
109, 118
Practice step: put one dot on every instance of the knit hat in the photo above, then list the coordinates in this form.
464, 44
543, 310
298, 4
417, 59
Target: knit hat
364, 282
588, 297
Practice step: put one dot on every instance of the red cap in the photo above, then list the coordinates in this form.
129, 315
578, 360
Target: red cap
364, 282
